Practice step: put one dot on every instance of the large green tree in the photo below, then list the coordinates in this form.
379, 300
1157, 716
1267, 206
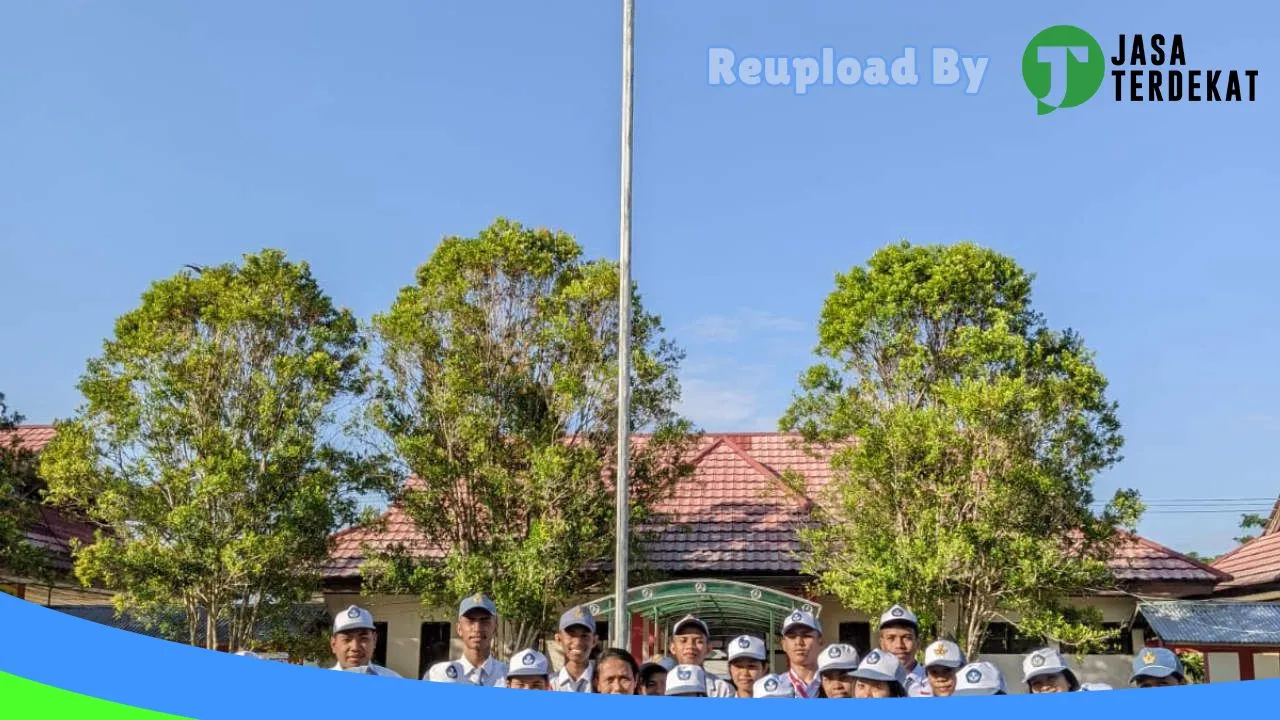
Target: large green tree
497, 391
206, 445
967, 436
20, 489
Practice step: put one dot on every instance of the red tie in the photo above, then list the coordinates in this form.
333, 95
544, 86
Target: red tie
802, 688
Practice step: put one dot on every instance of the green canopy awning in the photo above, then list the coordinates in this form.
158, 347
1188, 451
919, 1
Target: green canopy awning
726, 605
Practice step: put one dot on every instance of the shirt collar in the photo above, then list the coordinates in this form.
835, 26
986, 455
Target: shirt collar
566, 682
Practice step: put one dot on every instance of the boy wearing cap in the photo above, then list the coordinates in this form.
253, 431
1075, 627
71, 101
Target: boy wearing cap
690, 639
477, 623
899, 636
577, 637
834, 665
747, 658
802, 641
687, 681
529, 670
980, 678
1046, 671
653, 675
879, 675
773, 686
1157, 667
353, 640
941, 661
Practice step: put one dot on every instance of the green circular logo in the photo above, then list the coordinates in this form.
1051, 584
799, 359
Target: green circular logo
1063, 67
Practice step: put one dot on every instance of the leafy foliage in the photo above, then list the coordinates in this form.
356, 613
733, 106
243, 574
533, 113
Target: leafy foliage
968, 436
200, 446
20, 489
498, 393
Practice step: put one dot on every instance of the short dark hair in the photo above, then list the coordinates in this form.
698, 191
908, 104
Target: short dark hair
611, 654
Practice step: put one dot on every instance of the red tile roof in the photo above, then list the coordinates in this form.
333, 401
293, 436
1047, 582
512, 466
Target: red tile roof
737, 515
1257, 562
30, 437
52, 529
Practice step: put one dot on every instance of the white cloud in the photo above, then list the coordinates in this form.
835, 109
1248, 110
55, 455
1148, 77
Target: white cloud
744, 322
1269, 422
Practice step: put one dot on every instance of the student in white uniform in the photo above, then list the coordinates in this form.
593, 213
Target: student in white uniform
1046, 671
687, 681
942, 660
529, 670
802, 642
577, 637
690, 644
747, 658
773, 687
353, 641
477, 624
899, 635
834, 665
980, 678
879, 675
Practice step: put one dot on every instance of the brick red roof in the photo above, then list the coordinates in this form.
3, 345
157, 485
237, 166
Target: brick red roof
1257, 562
30, 437
52, 529
735, 514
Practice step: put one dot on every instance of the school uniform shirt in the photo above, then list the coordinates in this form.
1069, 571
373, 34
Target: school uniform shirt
372, 669
490, 674
803, 689
918, 682
565, 682
719, 688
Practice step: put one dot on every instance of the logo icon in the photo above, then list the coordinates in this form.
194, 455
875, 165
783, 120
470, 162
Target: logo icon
896, 611
528, 659
873, 657
744, 643
451, 672
1063, 67
834, 652
1148, 657
940, 650
796, 616
684, 673
771, 684
353, 613
973, 675
1037, 661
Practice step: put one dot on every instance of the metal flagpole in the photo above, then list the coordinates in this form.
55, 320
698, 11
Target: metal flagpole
621, 630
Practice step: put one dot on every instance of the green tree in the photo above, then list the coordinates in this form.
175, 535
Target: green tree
497, 391
20, 489
1250, 521
966, 436
206, 447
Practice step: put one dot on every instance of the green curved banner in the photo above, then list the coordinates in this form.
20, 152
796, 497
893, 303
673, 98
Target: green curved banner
25, 698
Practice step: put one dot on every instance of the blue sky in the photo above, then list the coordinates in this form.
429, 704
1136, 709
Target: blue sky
139, 136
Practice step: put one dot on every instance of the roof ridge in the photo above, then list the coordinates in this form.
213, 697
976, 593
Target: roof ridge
770, 474
1222, 575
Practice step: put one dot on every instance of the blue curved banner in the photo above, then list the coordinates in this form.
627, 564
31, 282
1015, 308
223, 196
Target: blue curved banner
60, 655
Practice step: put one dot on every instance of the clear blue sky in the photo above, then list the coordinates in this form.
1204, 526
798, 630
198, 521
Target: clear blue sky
139, 136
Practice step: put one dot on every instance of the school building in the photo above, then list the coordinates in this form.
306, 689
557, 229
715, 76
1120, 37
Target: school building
729, 555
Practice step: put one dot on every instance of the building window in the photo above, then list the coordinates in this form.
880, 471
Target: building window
1004, 639
433, 645
380, 650
857, 634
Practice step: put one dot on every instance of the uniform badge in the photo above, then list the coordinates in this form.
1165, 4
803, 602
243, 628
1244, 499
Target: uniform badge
528, 659
1148, 657
1037, 661
684, 673
744, 643
873, 657
451, 672
478, 598
973, 675
771, 684
796, 617
834, 652
896, 611
940, 650
353, 612
577, 613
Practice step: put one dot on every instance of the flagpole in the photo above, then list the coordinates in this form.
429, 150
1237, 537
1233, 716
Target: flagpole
621, 630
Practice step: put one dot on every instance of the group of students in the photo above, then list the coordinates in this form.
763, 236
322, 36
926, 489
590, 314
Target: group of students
815, 669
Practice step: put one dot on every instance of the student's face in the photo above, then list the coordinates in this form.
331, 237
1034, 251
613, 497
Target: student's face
863, 689
1152, 682
578, 642
654, 684
801, 646
745, 672
901, 643
1054, 683
942, 680
613, 677
689, 647
837, 684
476, 630
527, 682
353, 648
